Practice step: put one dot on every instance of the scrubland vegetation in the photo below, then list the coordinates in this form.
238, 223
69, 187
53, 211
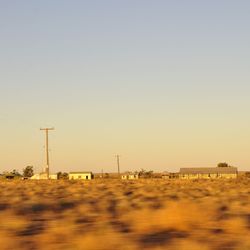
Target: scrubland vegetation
115, 214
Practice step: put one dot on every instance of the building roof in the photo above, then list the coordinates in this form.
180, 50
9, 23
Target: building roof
80, 172
217, 170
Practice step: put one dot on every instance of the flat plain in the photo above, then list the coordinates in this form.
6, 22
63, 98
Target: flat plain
115, 214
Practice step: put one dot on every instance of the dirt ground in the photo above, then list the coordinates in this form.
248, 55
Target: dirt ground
115, 214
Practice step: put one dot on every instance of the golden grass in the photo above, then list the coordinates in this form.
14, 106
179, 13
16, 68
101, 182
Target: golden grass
115, 214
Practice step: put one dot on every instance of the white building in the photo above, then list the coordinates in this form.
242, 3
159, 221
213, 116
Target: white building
43, 176
130, 176
53, 177
81, 176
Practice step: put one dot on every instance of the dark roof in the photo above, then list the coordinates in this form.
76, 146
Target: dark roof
220, 170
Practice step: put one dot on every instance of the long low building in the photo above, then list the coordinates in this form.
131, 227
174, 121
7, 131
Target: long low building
81, 175
208, 173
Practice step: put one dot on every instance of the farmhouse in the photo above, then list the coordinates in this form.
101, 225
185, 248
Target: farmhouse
130, 176
81, 175
208, 173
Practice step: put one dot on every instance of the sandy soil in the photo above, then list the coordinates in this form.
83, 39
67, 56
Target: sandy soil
115, 214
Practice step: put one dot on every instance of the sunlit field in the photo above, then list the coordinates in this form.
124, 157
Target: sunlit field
115, 214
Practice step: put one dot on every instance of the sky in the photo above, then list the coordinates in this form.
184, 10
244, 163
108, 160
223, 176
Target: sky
163, 83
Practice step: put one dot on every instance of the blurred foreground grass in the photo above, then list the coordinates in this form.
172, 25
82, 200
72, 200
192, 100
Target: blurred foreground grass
115, 214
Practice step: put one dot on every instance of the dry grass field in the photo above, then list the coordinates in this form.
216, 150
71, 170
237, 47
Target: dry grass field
115, 214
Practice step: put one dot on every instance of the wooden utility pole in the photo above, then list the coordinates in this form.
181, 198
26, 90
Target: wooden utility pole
47, 149
118, 164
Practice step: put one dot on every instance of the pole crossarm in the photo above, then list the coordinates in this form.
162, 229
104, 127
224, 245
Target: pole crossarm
47, 128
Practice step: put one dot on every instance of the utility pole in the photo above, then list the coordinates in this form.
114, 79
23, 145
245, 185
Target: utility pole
118, 164
47, 149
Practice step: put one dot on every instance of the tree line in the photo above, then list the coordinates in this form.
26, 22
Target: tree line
28, 172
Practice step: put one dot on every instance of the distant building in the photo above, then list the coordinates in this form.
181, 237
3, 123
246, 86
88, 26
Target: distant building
35, 177
165, 176
130, 176
53, 176
43, 176
170, 176
208, 173
81, 176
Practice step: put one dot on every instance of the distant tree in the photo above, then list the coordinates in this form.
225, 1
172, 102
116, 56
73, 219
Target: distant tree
223, 165
62, 176
15, 173
150, 174
142, 172
28, 171
145, 174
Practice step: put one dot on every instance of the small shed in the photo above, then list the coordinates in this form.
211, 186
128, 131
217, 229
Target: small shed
208, 173
81, 176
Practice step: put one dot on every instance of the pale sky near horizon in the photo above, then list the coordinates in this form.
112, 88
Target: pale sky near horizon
163, 83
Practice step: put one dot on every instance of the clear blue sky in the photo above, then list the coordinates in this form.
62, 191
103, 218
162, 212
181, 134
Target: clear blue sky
163, 83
